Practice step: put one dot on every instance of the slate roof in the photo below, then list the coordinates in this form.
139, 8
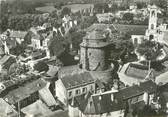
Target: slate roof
77, 80
24, 91
127, 93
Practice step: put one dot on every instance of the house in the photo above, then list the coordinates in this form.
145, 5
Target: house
112, 103
71, 86
134, 73
18, 36
28, 93
6, 110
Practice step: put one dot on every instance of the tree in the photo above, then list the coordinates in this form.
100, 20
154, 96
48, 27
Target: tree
101, 8
141, 5
150, 50
128, 17
41, 67
121, 46
88, 21
65, 11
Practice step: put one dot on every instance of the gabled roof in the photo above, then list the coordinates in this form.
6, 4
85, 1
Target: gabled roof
77, 80
24, 91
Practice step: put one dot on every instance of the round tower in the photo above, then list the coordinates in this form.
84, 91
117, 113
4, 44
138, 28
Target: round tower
94, 52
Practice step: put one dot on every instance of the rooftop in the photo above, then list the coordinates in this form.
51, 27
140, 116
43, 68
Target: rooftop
77, 80
17, 34
24, 91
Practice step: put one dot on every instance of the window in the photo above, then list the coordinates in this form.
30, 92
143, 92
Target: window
70, 93
77, 92
152, 26
84, 90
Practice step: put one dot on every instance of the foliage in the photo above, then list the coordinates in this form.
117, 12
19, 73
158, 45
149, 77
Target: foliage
121, 46
88, 21
41, 67
150, 49
141, 5
65, 11
101, 8
75, 37
128, 17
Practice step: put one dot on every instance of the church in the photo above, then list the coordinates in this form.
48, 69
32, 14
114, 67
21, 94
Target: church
93, 74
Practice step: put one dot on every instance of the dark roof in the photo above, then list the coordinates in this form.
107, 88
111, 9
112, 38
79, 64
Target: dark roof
77, 80
130, 92
6, 61
24, 91
131, 29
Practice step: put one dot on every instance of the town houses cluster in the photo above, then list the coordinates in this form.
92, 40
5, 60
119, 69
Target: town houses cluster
34, 84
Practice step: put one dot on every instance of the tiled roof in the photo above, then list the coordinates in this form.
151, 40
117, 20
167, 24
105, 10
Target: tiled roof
24, 91
77, 80
68, 70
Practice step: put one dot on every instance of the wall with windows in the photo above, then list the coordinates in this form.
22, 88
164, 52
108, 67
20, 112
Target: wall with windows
80, 90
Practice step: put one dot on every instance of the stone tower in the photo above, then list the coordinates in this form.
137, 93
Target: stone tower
94, 52
153, 17
152, 27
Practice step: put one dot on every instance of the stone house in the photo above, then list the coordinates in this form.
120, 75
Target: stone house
74, 85
112, 103
134, 73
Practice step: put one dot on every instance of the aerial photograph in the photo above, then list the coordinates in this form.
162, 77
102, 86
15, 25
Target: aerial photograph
83, 58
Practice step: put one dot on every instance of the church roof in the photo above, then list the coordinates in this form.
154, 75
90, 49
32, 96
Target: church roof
95, 34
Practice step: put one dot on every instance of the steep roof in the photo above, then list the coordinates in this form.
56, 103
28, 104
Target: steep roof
24, 91
77, 80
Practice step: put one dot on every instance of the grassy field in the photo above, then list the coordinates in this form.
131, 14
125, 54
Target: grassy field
78, 7
46, 9
74, 7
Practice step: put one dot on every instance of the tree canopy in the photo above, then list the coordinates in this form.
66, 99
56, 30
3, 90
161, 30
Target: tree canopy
41, 66
149, 49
